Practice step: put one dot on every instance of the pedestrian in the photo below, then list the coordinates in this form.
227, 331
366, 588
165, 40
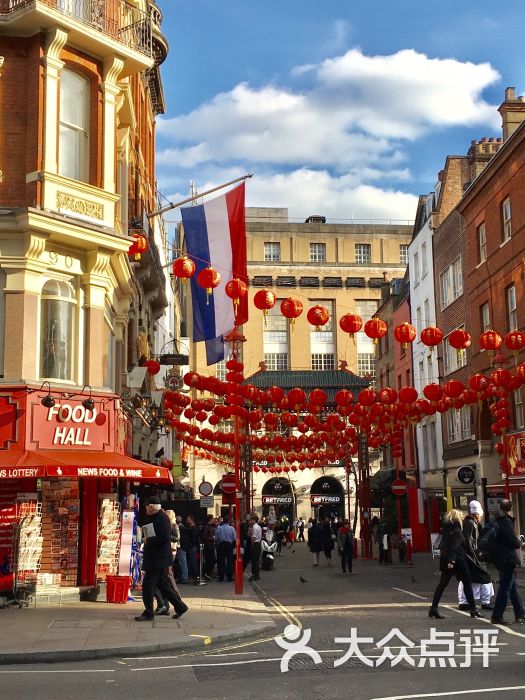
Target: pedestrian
300, 530
507, 559
163, 606
327, 541
193, 544
182, 551
279, 534
256, 537
208, 540
345, 546
453, 561
314, 541
246, 543
482, 586
225, 538
157, 560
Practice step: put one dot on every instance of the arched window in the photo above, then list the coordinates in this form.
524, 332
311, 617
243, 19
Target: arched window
57, 317
73, 150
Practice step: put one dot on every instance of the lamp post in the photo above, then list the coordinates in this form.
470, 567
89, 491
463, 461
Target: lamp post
235, 338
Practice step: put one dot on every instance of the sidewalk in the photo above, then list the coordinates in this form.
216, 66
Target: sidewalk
77, 631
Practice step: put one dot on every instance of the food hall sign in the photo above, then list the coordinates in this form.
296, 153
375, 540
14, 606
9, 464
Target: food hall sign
68, 424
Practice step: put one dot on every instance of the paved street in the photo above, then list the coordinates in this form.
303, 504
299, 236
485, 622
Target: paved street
374, 600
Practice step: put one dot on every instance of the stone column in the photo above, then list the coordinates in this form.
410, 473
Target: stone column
111, 91
96, 283
55, 42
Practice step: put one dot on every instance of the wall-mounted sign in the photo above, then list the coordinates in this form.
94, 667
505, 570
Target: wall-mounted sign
324, 500
276, 500
466, 474
207, 501
205, 488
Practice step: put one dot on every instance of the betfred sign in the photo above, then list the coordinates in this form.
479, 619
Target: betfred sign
276, 500
324, 500
69, 424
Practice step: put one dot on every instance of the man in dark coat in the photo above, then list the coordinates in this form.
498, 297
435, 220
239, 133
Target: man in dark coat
157, 559
507, 561
482, 587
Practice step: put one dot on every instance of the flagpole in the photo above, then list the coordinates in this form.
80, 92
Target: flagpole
174, 205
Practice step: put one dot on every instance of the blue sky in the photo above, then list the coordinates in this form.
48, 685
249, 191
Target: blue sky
346, 108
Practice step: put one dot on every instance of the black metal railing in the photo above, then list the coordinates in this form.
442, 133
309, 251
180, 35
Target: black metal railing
115, 18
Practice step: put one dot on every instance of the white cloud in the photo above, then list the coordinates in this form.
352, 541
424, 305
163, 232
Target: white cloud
340, 141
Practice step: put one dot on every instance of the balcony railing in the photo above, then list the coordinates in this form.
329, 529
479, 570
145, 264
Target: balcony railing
115, 18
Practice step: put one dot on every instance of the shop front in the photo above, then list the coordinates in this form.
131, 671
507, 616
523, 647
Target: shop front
278, 499
327, 498
63, 473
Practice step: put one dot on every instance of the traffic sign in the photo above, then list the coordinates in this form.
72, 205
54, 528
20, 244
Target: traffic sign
228, 483
399, 487
207, 501
205, 488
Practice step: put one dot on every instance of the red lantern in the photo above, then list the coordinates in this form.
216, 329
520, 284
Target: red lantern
501, 378
344, 397
454, 388
264, 300
236, 289
183, 268
296, 397
433, 392
152, 366
431, 336
140, 245
375, 328
459, 339
405, 333
515, 341
387, 395
318, 397
291, 308
318, 316
275, 394
490, 341
351, 324
366, 397
407, 394
478, 382
208, 279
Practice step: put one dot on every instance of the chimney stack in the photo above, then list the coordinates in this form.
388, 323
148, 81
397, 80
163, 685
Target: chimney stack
512, 112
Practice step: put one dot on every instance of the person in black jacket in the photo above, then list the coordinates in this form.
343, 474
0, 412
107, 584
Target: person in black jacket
156, 561
506, 563
315, 544
481, 580
194, 541
452, 562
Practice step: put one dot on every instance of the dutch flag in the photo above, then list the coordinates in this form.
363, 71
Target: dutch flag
215, 235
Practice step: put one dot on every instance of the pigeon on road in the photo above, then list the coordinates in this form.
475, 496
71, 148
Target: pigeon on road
302, 580
413, 579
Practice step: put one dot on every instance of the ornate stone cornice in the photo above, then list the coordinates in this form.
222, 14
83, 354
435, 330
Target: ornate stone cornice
55, 41
112, 71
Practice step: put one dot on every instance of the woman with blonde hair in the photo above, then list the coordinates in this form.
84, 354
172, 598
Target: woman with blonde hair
453, 562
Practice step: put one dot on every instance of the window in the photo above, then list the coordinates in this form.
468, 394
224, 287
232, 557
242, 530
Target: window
73, 150
421, 377
458, 424
363, 253
366, 365
451, 283
453, 359
108, 348
57, 335
317, 252
482, 242
424, 261
323, 361
276, 361
426, 313
419, 327
220, 370
512, 309
506, 222
416, 268
272, 252
484, 317
430, 370
403, 254
518, 409
424, 452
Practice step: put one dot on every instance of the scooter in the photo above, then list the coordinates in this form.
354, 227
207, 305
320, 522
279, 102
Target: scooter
269, 551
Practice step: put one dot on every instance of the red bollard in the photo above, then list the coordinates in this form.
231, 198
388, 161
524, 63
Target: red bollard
408, 553
354, 546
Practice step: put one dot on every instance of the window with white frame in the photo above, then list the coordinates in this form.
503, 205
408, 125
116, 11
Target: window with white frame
73, 129
430, 369
363, 253
366, 365
317, 252
451, 283
220, 370
506, 220
275, 361
426, 313
421, 375
276, 327
108, 348
484, 317
512, 309
57, 330
418, 320
432, 446
416, 268
424, 260
403, 254
272, 251
424, 453
518, 409
453, 359
482, 242
323, 361
458, 424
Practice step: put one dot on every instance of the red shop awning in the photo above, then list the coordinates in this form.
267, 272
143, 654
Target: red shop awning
80, 464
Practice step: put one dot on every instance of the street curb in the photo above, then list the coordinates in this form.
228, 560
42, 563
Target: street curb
39, 657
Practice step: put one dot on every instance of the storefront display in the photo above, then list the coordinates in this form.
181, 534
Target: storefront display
109, 528
60, 522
